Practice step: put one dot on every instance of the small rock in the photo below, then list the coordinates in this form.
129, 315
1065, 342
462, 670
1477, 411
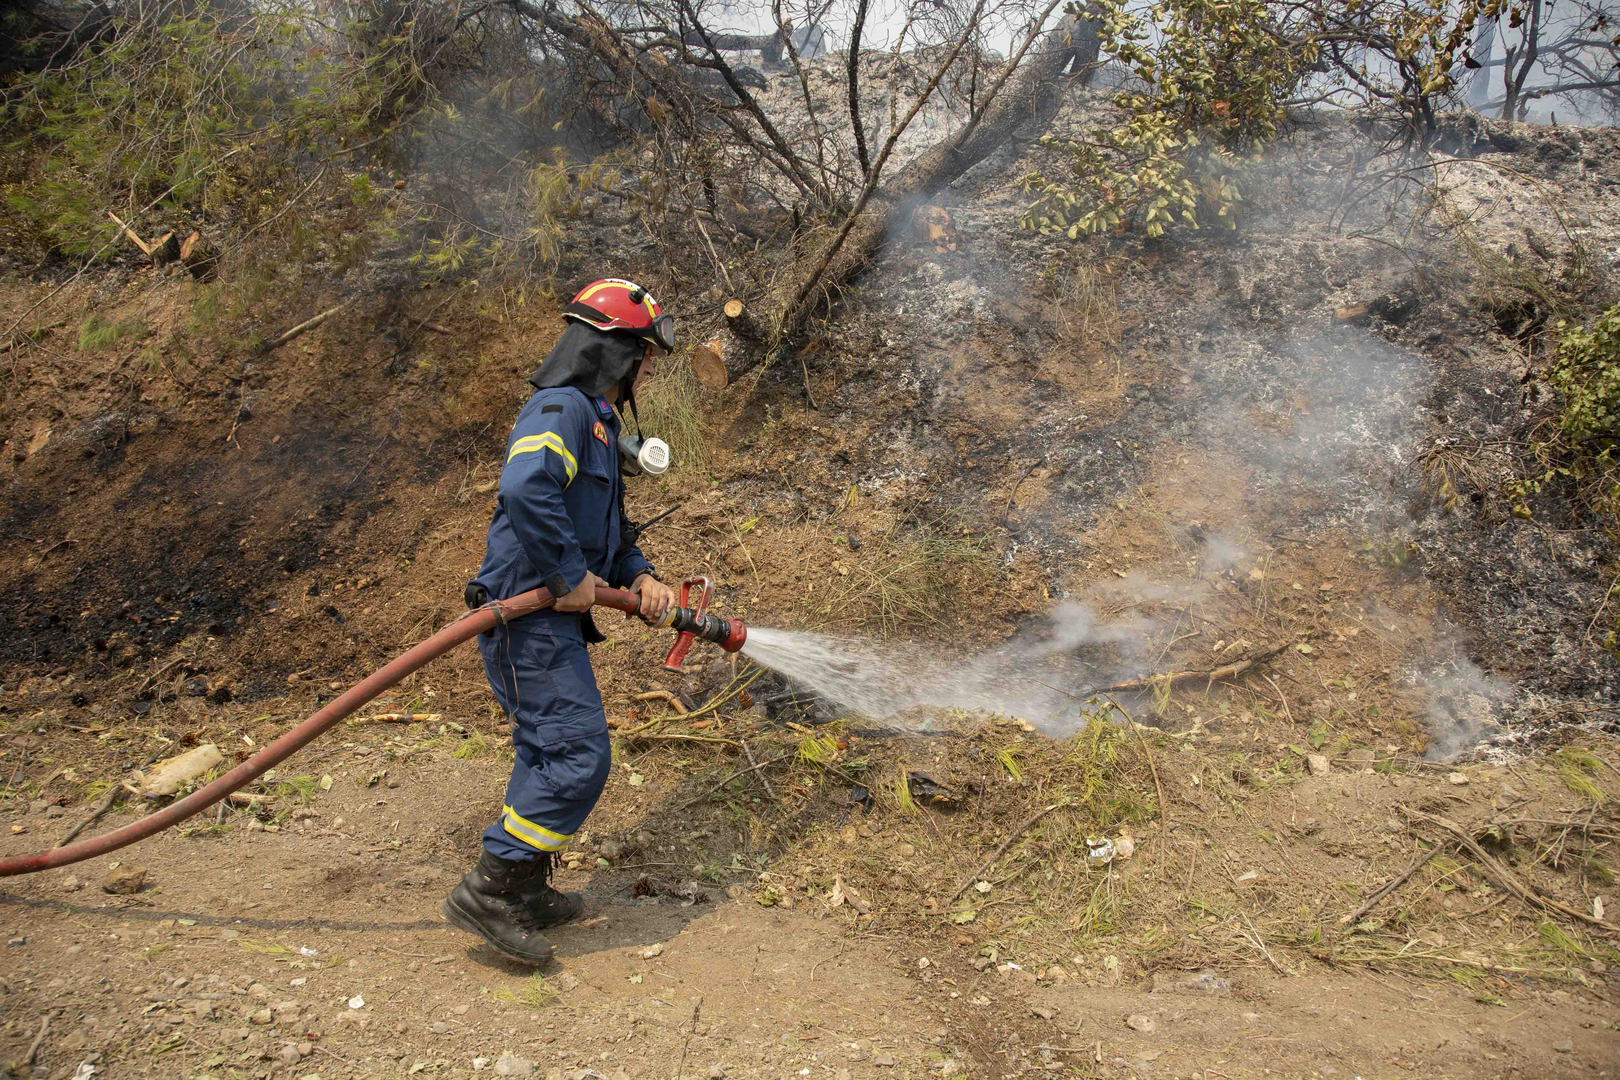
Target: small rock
951, 1067
462, 1010
566, 981
439, 1027
651, 951
1142, 1023
288, 1054
1564, 1047
54, 811
263, 1016
1318, 764
125, 880
906, 851
514, 1066
20, 939
72, 884
1124, 847
610, 850
717, 1071
1043, 1012
357, 1002
480, 1064
1457, 778
923, 962
886, 1061
982, 963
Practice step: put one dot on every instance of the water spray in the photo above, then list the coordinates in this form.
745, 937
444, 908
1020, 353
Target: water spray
690, 621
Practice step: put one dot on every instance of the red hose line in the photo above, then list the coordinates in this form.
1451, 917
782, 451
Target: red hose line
463, 629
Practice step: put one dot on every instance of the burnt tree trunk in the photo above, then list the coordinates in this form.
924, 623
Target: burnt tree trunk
1032, 96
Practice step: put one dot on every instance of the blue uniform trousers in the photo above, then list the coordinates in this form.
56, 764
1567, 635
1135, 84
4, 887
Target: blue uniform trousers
541, 674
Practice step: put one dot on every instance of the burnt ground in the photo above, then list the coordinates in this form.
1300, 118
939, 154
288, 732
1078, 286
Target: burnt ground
202, 544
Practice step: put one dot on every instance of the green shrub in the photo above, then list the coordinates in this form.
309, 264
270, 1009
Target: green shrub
1586, 372
1211, 95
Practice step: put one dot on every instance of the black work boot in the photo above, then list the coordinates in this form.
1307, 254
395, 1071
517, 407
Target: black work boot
549, 906
491, 900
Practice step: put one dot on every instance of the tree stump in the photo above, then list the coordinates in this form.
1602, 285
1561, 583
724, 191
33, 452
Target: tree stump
200, 257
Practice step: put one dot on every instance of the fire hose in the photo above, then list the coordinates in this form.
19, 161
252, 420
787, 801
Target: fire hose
689, 622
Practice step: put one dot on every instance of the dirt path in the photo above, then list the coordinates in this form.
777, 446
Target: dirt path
205, 973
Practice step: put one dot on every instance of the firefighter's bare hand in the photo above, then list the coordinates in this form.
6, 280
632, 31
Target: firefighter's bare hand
656, 597
582, 596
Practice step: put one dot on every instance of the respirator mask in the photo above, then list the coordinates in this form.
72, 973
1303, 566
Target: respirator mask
638, 455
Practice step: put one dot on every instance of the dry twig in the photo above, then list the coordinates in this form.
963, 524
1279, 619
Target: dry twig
1394, 883
95, 815
1005, 844
1149, 682
1506, 878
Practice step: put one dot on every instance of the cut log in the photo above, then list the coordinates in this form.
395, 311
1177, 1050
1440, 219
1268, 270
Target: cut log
742, 321
165, 249
1029, 100
200, 257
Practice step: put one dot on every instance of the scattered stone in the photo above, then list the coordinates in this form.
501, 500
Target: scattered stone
439, 1027
462, 1010
480, 1064
1204, 982
288, 1054
20, 939
1564, 1047
717, 1071
611, 850
651, 951
1124, 847
357, 1002
566, 981
923, 962
124, 880
1139, 1022
1043, 1012
885, 1061
305, 1049
510, 1065
55, 811
262, 1017
951, 1067
982, 962
259, 990
1457, 778
1318, 764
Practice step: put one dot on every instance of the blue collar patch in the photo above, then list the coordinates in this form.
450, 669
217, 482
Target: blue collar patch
603, 406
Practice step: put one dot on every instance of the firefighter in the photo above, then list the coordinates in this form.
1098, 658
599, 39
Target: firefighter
559, 522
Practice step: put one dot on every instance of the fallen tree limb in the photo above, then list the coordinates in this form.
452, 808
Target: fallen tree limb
1032, 93
146, 249
1394, 883
1506, 878
991, 861
303, 327
1149, 682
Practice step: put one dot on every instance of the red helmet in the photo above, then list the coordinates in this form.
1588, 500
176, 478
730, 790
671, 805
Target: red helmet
615, 304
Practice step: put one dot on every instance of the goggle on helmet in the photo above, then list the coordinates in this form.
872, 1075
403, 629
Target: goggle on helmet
615, 304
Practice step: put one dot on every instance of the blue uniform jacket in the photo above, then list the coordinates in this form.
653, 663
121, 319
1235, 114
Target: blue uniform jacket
560, 511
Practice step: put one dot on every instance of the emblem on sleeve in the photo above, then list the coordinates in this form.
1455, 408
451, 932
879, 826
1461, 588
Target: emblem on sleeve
600, 432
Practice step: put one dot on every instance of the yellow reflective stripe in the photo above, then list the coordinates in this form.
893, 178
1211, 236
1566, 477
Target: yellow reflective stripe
546, 440
534, 835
